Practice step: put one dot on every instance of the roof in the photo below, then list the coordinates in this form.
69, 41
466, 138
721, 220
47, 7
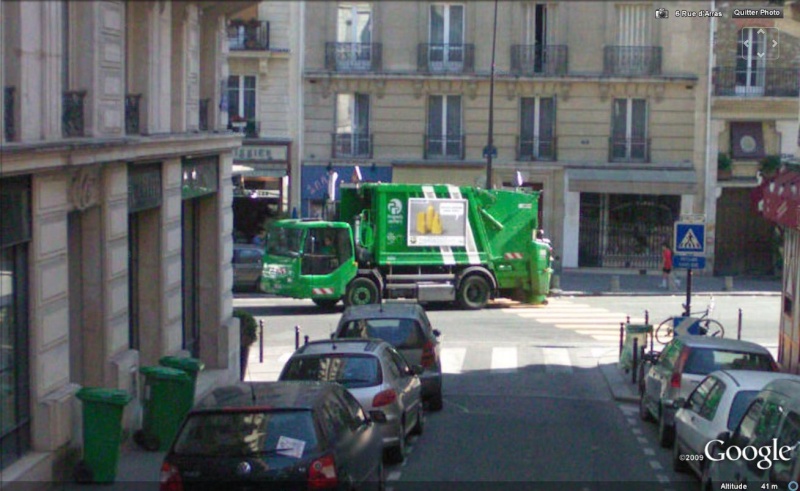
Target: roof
346, 346
789, 386
308, 223
722, 343
391, 310
276, 395
751, 379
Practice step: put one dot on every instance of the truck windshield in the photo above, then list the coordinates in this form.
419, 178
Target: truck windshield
284, 241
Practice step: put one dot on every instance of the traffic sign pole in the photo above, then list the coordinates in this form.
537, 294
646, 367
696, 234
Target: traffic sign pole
688, 293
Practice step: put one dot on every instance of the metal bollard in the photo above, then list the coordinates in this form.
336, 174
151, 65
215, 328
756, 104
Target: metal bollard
261, 341
627, 319
305, 338
635, 365
614, 287
296, 337
728, 284
621, 336
739, 327
647, 317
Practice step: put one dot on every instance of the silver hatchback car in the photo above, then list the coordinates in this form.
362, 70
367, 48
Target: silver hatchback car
682, 365
376, 375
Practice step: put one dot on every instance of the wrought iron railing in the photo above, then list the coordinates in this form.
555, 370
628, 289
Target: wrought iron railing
628, 149
535, 148
132, 113
9, 94
352, 145
252, 129
249, 35
535, 59
202, 117
632, 60
353, 57
446, 58
445, 147
72, 121
756, 82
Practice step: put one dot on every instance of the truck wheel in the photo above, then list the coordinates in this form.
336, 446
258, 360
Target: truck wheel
473, 293
361, 291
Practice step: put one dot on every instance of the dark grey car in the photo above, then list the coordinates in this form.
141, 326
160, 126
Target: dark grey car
406, 327
247, 263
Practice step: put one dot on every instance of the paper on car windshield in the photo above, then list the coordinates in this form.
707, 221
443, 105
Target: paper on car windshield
291, 447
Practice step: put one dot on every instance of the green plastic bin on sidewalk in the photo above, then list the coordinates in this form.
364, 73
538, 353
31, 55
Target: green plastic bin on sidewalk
191, 366
540, 272
641, 333
168, 397
102, 433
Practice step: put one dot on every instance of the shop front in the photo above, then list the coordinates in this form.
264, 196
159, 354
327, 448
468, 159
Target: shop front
260, 185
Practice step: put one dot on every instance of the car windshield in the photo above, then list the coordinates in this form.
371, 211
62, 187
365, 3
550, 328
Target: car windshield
352, 371
287, 434
400, 333
740, 404
703, 361
283, 241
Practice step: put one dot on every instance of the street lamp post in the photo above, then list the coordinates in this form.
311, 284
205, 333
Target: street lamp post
490, 143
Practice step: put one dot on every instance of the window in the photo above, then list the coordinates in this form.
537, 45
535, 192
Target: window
444, 139
789, 437
709, 409
700, 393
352, 137
351, 371
750, 69
537, 128
356, 416
325, 250
446, 49
400, 362
739, 405
539, 33
629, 131
400, 333
747, 429
354, 37
242, 98
633, 25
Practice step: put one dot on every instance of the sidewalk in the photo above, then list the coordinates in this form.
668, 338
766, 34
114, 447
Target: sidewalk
588, 282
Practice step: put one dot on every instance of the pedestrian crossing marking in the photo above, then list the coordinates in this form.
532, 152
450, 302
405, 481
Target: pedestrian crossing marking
557, 360
690, 242
452, 359
504, 359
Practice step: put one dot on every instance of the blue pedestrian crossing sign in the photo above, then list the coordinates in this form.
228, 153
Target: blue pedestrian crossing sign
690, 239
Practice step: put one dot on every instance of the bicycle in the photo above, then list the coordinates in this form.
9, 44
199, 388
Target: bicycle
703, 325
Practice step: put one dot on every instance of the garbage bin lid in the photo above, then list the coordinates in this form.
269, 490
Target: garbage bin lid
116, 397
638, 328
164, 373
182, 363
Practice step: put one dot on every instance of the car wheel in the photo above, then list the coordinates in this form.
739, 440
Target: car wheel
361, 291
436, 402
418, 428
666, 434
325, 303
396, 454
473, 292
644, 413
678, 465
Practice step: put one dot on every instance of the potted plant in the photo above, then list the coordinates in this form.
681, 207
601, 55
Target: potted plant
770, 164
724, 165
247, 336
238, 122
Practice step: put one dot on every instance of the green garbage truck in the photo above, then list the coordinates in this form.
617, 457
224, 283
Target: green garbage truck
433, 243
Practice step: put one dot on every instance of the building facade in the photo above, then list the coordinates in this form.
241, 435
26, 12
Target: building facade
598, 104
115, 189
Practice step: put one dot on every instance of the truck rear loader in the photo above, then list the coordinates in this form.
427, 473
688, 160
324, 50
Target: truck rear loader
433, 243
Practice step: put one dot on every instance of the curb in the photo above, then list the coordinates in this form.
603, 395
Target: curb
662, 294
619, 387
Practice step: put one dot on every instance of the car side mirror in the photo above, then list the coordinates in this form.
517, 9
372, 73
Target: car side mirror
437, 333
679, 403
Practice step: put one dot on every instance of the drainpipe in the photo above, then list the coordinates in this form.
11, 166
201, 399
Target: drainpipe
710, 174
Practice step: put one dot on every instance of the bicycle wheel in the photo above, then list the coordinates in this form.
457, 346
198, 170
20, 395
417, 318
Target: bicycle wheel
664, 331
713, 328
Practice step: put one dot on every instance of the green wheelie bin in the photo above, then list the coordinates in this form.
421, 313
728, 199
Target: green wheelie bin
540, 271
102, 433
168, 397
190, 366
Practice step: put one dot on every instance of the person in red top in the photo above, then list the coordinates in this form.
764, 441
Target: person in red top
666, 268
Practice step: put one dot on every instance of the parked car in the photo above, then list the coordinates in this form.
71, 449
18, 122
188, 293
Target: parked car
406, 327
275, 435
248, 261
714, 406
684, 362
773, 415
376, 374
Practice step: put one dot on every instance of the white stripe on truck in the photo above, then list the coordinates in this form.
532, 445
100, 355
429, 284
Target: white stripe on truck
472, 249
447, 253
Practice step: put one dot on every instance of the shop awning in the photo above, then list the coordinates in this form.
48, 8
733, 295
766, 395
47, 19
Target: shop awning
633, 181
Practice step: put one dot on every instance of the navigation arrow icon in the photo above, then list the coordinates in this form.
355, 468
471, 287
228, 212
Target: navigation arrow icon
774, 43
747, 43
760, 55
761, 31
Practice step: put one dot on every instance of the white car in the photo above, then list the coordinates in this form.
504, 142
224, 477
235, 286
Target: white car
713, 407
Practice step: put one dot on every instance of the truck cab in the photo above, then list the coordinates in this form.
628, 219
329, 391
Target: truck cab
309, 259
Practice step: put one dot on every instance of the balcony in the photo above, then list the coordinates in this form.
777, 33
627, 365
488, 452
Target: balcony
444, 147
536, 149
132, 113
629, 150
446, 58
249, 35
72, 119
536, 60
756, 82
202, 119
249, 128
352, 145
8, 112
632, 61
353, 57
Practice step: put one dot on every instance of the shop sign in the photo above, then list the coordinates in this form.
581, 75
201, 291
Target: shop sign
261, 153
